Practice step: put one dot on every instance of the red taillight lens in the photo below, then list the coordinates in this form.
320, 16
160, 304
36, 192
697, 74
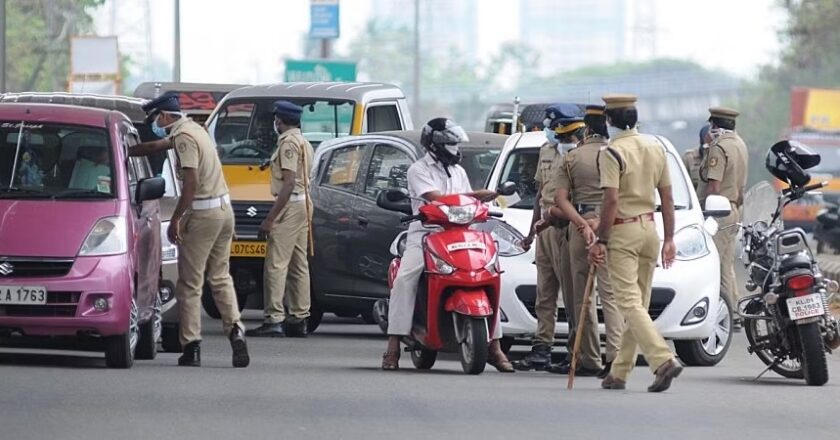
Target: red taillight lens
800, 284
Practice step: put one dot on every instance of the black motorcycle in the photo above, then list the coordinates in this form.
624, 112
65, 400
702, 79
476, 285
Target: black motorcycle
787, 321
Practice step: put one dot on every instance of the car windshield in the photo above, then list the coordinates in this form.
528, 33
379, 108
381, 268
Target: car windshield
244, 128
45, 160
478, 163
520, 168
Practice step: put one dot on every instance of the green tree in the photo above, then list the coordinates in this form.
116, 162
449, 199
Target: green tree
38, 41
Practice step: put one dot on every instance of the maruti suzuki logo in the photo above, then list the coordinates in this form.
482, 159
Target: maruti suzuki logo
251, 212
6, 269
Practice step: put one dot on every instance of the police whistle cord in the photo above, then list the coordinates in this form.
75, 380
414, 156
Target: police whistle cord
587, 295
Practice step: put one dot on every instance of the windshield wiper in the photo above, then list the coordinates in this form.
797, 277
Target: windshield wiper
82, 193
14, 192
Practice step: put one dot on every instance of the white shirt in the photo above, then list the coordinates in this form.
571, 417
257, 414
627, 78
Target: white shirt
427, 175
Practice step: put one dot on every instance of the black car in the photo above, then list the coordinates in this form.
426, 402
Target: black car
349, 271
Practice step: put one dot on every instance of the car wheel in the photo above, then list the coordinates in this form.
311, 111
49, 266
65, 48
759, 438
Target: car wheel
149, 333
169, 338
368, 318
209, 304
709, 351
119, 349
315, 316
346, 314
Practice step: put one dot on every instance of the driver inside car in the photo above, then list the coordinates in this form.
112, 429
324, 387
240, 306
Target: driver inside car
433, 176
90, 168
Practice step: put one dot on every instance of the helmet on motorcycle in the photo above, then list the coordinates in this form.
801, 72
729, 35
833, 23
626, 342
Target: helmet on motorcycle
787, 161
441, 137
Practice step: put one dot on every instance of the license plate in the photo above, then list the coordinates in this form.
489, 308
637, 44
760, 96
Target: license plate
807, 306
23, 295
254, 249
465, 245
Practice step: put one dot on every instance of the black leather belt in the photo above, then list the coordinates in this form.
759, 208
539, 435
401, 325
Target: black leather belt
585, 208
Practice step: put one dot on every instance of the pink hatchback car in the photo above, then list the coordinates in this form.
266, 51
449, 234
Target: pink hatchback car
79, 232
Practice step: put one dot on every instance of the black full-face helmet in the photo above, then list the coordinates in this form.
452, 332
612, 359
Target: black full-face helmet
787, 161
441, 137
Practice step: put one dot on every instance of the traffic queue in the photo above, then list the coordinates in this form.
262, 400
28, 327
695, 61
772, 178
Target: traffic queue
301, 193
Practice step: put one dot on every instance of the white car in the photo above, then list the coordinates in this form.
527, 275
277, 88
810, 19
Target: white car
686, 304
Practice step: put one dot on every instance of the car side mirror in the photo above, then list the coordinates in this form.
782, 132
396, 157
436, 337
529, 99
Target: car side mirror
717, 206
151, 188
507, 189
394, 200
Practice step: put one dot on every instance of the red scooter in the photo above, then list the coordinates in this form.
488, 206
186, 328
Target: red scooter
458, 298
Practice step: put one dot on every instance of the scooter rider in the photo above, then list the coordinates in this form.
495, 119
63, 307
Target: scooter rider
433, 176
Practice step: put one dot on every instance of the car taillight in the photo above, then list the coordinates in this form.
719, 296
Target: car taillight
800, 285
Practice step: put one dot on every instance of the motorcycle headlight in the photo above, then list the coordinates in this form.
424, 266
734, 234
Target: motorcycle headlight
440, 266
168, 250
108, 237
459, 215
691, 243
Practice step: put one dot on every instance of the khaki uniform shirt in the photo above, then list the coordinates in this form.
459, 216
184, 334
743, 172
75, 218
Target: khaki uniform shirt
194, 149
550, 161
726, 162
293, 153
636, 166
579, 175
693, 161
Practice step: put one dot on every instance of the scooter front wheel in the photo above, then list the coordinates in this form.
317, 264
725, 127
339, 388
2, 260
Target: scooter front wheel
423, 359
474, 349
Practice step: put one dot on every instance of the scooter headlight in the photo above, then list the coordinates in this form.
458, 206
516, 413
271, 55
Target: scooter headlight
493, 265
691, 243
440, 266
459, 215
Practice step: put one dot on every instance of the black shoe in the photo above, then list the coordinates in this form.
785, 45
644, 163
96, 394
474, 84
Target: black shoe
191, 356
266, 330
565, 368
295, 327
605, 371
537, 359
240, 348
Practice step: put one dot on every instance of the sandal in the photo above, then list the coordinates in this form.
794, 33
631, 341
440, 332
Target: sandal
391, 360
501, 363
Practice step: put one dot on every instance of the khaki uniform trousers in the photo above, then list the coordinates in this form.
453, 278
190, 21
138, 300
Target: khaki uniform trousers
725, 244
631, 257
204, 252
286, 271
553, 272
590, 345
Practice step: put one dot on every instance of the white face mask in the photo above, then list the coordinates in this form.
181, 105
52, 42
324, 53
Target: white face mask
452, 149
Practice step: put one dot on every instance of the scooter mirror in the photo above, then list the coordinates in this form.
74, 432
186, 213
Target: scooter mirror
507, 189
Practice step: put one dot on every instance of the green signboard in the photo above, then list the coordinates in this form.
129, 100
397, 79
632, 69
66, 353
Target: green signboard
319, 70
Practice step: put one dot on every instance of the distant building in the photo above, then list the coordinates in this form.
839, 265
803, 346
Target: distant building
574, 33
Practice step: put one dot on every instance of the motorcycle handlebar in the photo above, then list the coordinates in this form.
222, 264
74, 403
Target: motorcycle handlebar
806, 188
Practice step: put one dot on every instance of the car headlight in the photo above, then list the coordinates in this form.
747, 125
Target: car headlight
691, 243
168, 250
459, 215
440, 266
108, 237
697, 313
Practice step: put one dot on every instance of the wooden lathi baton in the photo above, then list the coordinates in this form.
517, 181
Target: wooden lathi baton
587, 297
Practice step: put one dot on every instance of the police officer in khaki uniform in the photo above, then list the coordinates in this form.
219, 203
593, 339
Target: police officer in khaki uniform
632, 168
287, 228
693, 159
579, 196
724, 172
202, 226
553, 268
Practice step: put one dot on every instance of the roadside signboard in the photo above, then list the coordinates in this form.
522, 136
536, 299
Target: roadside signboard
323, 19
319, 70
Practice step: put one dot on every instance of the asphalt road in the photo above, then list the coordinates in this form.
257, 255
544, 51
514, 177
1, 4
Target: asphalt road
329, 386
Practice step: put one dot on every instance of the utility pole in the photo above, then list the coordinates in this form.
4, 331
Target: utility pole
2, 46
416, 58
325, 48
176, 65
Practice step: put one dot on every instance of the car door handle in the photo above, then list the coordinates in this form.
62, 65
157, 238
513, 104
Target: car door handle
363, 221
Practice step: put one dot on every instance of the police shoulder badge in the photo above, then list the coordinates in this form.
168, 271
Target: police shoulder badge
289, 154
182, 146
713, 161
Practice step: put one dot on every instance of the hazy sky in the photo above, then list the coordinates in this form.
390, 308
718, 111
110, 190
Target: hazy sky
247, 40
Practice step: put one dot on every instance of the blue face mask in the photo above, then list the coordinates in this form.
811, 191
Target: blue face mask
551, 136
158, 130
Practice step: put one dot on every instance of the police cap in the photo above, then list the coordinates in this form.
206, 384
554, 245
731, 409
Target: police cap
286, 109
168, 102
723, 113
619, 101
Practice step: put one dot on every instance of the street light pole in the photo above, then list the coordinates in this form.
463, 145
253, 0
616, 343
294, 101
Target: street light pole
176, 65
416, 58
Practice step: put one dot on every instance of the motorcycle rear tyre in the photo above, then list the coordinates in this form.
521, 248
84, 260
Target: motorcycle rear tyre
474, 349
752, 337
423, 359
814, 365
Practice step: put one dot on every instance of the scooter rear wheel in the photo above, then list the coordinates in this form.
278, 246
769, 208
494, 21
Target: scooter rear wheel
423, 359
474, 349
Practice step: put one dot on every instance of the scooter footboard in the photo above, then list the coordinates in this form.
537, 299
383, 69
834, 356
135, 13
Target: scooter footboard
469, 302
